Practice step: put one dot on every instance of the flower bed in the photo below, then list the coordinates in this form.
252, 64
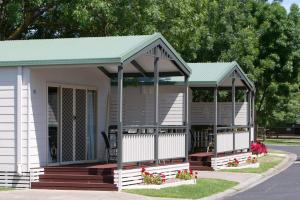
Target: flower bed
169, 183
153, 178
185, 174
159, 180
251, 162
233, 163
251, 165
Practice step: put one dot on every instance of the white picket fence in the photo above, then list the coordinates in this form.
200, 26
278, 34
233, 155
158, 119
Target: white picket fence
15, 180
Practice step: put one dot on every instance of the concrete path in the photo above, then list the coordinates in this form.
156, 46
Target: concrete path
230, 176
68, 195
284, 186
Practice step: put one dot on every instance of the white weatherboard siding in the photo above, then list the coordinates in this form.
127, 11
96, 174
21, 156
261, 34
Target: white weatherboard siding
77, 76
139, 105
202, 113
8, 118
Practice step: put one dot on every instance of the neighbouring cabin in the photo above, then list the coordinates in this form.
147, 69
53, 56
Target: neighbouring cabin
221, 113
55, 112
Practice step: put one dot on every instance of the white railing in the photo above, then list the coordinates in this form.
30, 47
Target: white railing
171, 145
138, 147
242, 140
225, 141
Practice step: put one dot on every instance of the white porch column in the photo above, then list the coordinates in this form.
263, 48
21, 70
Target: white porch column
216, 121
186, 113
156, 110
249, 116
19, 119
233, 109
120, 125
253, 116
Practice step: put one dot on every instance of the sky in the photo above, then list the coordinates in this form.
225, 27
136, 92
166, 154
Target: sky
287, 3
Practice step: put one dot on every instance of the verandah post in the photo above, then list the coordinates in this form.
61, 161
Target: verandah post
186, 83
253, 117
249, 116
233, 110
156, 110
216, 121
120, 125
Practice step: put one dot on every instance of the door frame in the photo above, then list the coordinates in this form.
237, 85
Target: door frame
72, 86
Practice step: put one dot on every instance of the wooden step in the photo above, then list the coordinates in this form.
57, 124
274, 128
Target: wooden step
201, 154
74, 186
77, 171
196, 162
76, 178
201, 168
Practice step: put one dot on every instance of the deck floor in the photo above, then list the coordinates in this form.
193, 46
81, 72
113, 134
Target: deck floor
99, 165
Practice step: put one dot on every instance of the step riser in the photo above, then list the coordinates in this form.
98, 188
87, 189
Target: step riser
77, 177
72, 188
76, 180
202, 168
91, 172
72, 184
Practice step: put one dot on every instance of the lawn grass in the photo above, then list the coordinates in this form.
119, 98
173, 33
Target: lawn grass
203, 188
282, 141
267, 162
2, 189
277, 151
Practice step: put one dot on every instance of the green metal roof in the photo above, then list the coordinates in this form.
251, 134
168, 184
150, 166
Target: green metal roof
212, 74
89, 50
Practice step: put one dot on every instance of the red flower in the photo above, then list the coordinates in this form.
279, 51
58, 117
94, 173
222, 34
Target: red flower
143, 169
147, 173
191, 171
179, 171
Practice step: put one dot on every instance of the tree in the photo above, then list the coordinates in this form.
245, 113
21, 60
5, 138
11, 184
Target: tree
261, 36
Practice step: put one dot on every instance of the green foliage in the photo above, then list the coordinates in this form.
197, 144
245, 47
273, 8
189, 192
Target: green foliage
262, 37
185, 174
152, 179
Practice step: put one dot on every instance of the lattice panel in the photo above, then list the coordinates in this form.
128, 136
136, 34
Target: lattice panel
67, 124
80, 150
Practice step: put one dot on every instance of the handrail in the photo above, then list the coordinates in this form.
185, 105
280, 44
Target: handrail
233, 127
153, 126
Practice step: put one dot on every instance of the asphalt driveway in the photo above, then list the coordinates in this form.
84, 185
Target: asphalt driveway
284, 186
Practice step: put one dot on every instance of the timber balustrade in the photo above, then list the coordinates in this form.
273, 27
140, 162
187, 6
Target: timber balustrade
233, 138
138, 143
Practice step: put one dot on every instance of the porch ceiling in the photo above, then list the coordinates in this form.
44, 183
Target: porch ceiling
134, 52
